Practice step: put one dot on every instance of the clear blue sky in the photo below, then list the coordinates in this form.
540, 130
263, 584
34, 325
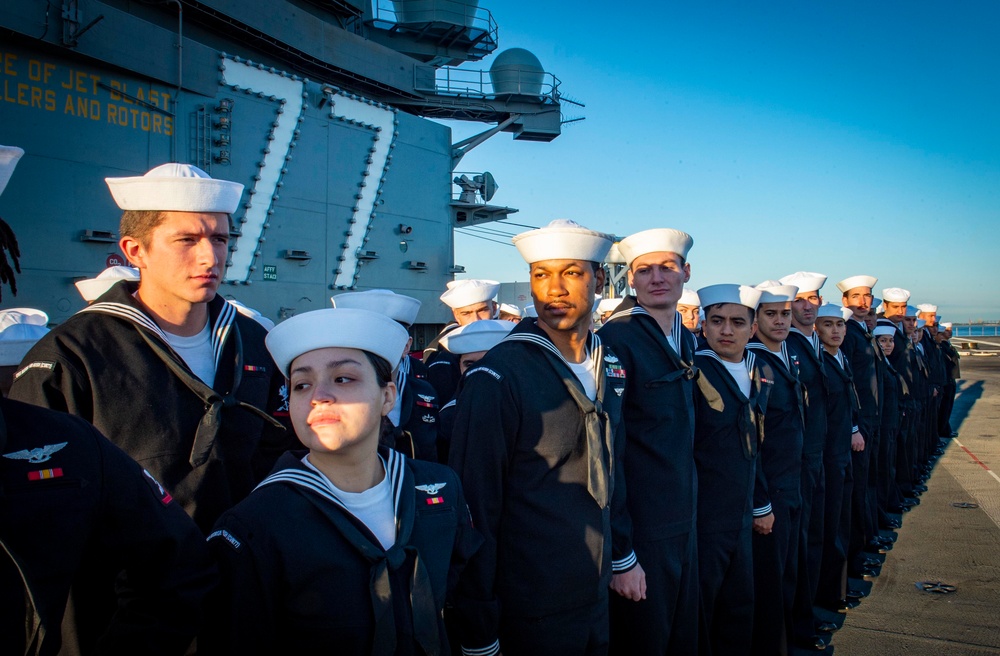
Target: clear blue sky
840, 137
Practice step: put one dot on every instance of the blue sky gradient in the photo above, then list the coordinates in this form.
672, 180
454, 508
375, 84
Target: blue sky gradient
783, 136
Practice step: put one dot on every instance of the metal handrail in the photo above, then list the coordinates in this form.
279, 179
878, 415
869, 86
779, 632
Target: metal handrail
453, 12
454, 81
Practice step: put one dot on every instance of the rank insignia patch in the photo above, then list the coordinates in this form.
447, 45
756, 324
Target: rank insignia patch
253, 367
43, 474
433, 501
161, 493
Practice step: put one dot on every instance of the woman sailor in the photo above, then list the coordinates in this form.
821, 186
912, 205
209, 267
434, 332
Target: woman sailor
350, 547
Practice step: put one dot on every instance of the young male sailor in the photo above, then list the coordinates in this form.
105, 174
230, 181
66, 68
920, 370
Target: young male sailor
804, 347
860, 349
534, 446
469, 300
415, 412
351, 546
654, 610
729, 401
80, 519
167, 369
777, 500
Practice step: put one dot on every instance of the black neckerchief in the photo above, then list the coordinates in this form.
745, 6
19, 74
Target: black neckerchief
682, 359
118, 302
751, 415
597, 423
315, 488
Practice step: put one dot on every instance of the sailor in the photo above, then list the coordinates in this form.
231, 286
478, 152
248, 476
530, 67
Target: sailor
842, 437
729, 401
80, 517
903, 360
414, 416
533, 445
689, 305
654, 608
952, 374
93, 288
509, 312
470, 343
350, 546
859, 348
20, 329
937, 371
166, 368
804, 347
606, 307
469, 300
923, 393
892, 417
777, 502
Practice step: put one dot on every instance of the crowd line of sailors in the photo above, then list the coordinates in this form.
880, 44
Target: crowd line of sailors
691, 473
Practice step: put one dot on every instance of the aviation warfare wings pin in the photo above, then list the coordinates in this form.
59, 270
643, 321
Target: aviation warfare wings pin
40, 454
431, 488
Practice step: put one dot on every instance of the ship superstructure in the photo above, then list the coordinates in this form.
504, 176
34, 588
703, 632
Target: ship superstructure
319, 107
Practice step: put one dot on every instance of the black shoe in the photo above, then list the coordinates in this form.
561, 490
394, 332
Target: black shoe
869, 563
909, 502
827, 627
920, 488
856, 594
954, 434
891, 523
851, 603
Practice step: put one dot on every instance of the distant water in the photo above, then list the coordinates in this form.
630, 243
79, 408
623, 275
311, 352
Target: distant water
980, 330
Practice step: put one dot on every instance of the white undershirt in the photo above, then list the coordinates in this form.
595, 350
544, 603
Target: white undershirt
373, 507
584, 372
197, 352
738, 370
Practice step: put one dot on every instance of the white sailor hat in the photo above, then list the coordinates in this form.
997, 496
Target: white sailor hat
476, 336
20, 328
251, 313
727, 293
469, 292
884, 327
336, 327
397, 307
529, 311
657, 240
608, 304
806, 281
510, 309
910, 311
563, 239
9, 155
848, 284
895, 295
927, 308
614, 255
834, 311
689, 297
93, 288
773, 291
177, 188
946, 325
